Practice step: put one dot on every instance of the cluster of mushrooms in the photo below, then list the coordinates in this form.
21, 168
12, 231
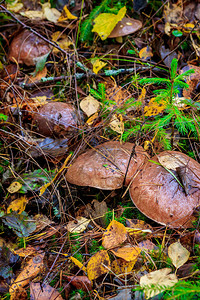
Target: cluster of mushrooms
165, 188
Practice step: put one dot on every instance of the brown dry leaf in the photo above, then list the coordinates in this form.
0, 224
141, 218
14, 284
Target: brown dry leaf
121, 266
80, 282
89, 105
44, 292
14, 187
39, 101
78, 225
147, 246
178, 254
117, 94
173, 13
18, 205
154, 108
33, 14
98, 264
146, 53
40, 74
116, 123
128, 252
159, 280
32, 269
28, 251
19, 294
114, 235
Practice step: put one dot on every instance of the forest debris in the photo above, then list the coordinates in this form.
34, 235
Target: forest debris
89, 105
98, 264
114, 235
44, 292
27, 48
80, 282
17, 205
78, 225
178, 254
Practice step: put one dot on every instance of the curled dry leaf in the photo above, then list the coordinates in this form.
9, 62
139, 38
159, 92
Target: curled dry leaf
111, 160
89, 105
26, 48
158, 194
56, 118
44, 292
98, 265
178, 254
78, 225
114, 235
162, 279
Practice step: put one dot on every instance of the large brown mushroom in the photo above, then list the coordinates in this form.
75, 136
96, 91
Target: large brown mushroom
104, 166
27, 48
124, 27
56, 118
165, 198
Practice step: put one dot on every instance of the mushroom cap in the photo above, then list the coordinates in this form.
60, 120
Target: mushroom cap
158, 195
56, 118
26, 48
125, 26
104, 166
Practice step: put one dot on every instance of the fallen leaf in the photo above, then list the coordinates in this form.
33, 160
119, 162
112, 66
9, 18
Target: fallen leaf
43, 292
80, 282
98, 264
39, 75
154, 108
14, 187
172, 161
19, 294
116, 123
62, 40
51, 14
178, 254
90, 121
156, 282
121, 266
33, 267
106, 22
97, 65
146, 53
24, 252
18, 205
89, 105
66, 15
114, 235
15, 6
78, 225
33, 14
128, 252
78, 263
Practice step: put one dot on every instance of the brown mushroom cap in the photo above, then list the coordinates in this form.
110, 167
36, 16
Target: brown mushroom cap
26, 48
158, 195
125, 26
56, 118
104, 166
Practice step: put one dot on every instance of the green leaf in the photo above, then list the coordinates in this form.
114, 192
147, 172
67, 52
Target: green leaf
40, 62
105, 23
3, 117
177, 33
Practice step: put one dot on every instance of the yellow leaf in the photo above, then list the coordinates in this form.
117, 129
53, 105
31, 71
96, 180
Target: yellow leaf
157, 281
98, 65
17, 205
154, 108
120, 266
114, 235
66, 15
33, 14
146, 53
14, 6
14, 187
105, 23
40, 100
78, 263
128, 253
98, 264
116, 123
178, 254
142, 95
91, 119
89, 105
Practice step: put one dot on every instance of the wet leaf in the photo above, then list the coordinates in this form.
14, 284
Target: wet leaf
89, 105
97, 65
98, 265
21, 224
78, 225
177, 33
14, 187
157, 281
44, 292
121, 266
114, 235
178, 254
105, 23
17, 205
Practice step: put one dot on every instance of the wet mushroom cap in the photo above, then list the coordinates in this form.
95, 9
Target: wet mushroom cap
158, 195
104, 166
56, 118
27, 48
125, 26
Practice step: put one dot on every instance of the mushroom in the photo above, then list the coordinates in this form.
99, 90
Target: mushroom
104, 166
165, 198
27, 48
56, 118
124, 27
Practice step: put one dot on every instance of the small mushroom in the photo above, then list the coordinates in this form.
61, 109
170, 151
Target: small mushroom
104, 166
165, 198
27, 48
125, 26
56, 118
